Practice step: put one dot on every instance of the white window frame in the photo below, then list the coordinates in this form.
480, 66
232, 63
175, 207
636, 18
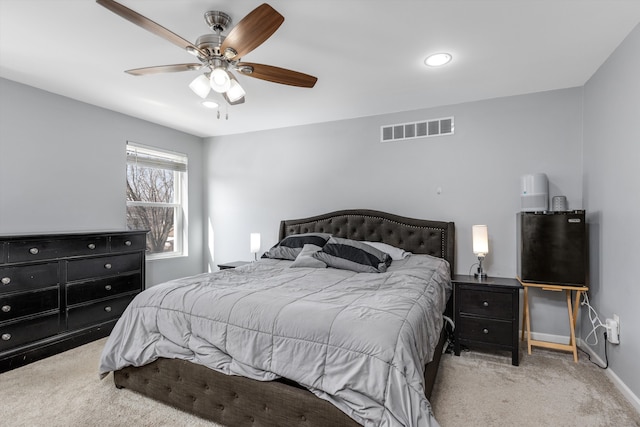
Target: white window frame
168, 160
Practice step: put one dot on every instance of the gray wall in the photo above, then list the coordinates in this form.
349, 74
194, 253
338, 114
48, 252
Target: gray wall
62, 168
257, 179
612, 199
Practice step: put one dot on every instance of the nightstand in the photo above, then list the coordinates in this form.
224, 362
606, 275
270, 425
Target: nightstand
487, 313
234, 264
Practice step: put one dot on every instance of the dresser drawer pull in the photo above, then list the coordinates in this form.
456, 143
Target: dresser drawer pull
6, 337
108, 287
6, 280
107, 309
486, 304
485, 331
91, 245
107, 266
6, 308
127, 243
34, 251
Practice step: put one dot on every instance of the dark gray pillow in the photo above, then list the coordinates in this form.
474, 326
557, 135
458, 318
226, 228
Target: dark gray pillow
352, 255
290, 246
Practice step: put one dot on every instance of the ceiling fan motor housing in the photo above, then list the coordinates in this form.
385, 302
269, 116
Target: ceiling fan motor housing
217, 21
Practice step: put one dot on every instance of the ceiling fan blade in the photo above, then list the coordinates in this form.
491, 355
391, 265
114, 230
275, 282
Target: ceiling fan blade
149, 25
252, 31
276, 74
163, 69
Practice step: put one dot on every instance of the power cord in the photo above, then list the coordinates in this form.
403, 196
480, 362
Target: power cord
595, 323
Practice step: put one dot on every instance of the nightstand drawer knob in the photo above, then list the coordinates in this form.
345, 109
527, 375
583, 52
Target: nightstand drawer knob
6, 280
486, 304
107, 266
108, 287
91, 246
107, 309
6, 308
485, 331
34, 251
6, 337
127, 243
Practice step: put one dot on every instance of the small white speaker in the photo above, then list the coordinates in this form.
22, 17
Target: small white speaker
534, 192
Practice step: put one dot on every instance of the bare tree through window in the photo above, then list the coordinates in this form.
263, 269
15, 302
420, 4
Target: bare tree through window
153, 201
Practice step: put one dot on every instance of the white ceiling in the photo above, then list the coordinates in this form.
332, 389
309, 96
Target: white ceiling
367, 54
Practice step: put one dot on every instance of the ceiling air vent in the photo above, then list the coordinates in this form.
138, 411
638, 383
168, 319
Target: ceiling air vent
424, 129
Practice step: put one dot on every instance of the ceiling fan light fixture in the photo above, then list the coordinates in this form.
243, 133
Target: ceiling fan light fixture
438, 59
235, 92
220, 80
210, 104
201, 86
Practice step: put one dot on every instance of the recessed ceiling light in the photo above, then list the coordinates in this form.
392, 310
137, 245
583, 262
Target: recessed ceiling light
210, 104
437, 59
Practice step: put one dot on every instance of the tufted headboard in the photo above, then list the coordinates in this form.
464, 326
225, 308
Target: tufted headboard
436, 238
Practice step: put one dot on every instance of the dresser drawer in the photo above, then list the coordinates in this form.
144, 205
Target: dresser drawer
96, 289
13, 306
127, 243
93, 314
18, 333
488, 331
28, 277
35, 250
485, 303
103, 266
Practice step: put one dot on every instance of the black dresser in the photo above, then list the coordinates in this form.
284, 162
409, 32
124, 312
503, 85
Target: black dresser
59, 291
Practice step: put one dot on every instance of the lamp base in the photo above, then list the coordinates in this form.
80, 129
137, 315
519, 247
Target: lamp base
480, 276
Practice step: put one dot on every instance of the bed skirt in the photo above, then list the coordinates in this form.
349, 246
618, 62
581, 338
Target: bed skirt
238, 401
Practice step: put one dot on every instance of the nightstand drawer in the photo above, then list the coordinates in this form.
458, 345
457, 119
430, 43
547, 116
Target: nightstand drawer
103, 266
28, 277
480, 302
13, 306
485, 330
92, 314
96, 289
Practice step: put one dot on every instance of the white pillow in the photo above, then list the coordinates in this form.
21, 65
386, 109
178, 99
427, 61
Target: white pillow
305, 257
395, 253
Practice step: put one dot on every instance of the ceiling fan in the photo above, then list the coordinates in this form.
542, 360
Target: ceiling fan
218, 54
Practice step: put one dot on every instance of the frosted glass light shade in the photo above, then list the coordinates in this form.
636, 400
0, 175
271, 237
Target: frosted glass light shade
255, 243
200, 86
480, 235
220, 81
235, 91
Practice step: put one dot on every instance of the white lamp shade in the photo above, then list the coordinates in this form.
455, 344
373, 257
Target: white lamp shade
200, 86
220, 81
480, 240
255, 243
235, 91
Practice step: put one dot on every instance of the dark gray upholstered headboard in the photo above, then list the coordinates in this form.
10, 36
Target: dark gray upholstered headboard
436, 238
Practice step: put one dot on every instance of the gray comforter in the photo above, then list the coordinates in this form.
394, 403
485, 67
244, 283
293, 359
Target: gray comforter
358, 340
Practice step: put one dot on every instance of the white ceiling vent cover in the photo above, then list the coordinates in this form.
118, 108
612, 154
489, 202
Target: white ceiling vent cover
424, 129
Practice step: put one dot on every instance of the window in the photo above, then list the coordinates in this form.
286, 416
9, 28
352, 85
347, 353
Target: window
156, 198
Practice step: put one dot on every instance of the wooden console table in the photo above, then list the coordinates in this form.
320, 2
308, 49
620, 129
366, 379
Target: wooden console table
573, 315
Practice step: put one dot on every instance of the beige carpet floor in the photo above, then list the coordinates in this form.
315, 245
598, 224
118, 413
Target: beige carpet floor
475, 389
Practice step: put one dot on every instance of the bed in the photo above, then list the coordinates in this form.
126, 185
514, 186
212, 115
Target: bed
269, 399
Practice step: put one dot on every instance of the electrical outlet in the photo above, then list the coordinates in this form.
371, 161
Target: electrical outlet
613, 331
616, 319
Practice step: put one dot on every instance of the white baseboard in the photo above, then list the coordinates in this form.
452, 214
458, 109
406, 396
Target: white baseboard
620, 385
